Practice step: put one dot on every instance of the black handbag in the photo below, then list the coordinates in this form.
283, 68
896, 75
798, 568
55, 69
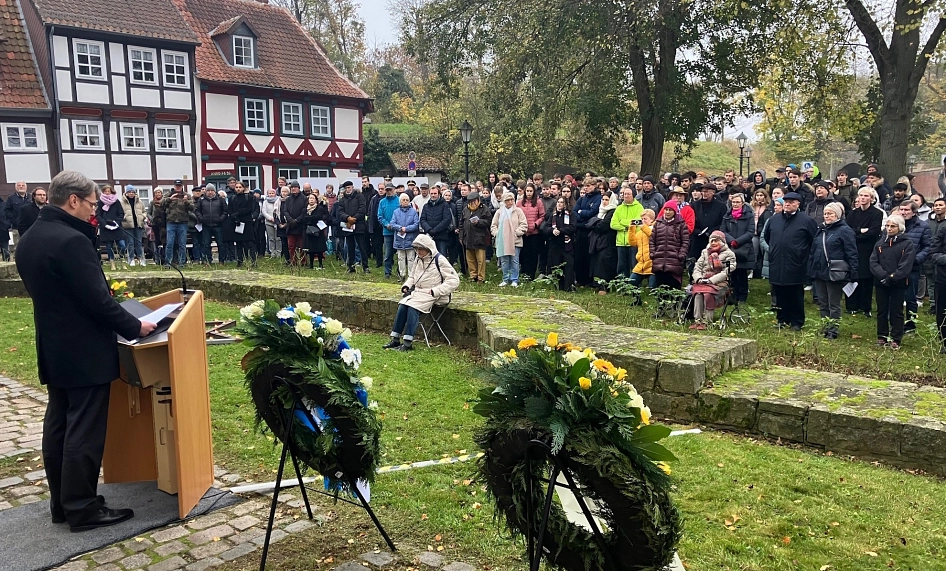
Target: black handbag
312, 231
838, 270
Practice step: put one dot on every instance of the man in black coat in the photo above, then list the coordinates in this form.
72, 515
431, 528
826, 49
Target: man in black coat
30, 211
11, 210
351, 225
374, 239
436, 219
211, 211
76, 320
292, 213
789, 236
709, 218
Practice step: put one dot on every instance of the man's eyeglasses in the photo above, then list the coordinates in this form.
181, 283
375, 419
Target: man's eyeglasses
92, 202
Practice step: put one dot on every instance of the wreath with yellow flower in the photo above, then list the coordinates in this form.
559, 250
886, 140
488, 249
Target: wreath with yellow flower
120, 291
598, 427
302, 368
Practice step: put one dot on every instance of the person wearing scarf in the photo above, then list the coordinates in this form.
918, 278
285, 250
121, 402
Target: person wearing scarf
268, 208
602, 243
508, 227
109, 215
316, 239
711, 279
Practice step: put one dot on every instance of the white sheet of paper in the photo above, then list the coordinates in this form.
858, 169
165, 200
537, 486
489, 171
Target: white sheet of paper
239, 228
322, 225
849, 288
161, 312
347, 229
199, 227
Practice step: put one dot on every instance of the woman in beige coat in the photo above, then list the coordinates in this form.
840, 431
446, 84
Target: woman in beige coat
431, 280
509, 226
134, 224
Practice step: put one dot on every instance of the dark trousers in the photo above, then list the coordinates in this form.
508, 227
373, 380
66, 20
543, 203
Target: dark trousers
666, 279
559, 257
863, 297
284, 242
374, 244
791, 304
246, 250
405, 322
354, 240
739, 280
939, 293
212, 233
582, 260
890, 312
73, 443
444, 246
529, 255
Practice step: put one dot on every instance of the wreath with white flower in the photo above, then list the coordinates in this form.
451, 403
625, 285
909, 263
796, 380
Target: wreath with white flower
300, 353
598, 428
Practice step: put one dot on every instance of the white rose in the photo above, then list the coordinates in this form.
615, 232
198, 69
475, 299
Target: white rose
367, 382
259, 303
251, 311
636, 401
333, 326
303, 306
304, 328
346, 334
285, 314
573, 357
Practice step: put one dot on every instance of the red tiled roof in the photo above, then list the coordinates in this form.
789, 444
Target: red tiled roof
158, 19
424, 163
20, 85
288, 56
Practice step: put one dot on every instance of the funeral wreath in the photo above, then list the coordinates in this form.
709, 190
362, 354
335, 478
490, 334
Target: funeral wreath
598, 428
302, 368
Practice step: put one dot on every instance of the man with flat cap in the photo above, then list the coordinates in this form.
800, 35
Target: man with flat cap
352, 225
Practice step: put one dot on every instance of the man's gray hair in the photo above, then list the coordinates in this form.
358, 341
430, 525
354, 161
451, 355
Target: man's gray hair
67, 183
210, 186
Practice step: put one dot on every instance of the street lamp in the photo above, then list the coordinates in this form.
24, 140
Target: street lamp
741, 140
466, 133
748, 154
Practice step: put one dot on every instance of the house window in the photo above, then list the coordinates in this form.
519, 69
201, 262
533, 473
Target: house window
134, 138
249, 175
23, 138
142, 65
87, 135
90, 63
243, 52
167, 138
175, 69
255, 114
292, 119
289, 174
321, 125
318, 173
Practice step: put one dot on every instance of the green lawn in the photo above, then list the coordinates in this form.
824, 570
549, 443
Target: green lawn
747, 504
918, 359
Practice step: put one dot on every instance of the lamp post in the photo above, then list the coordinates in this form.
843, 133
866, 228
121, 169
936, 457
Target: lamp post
466, 133
748, 155
741, 140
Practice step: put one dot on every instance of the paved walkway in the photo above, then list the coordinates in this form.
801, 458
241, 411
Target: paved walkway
197, 544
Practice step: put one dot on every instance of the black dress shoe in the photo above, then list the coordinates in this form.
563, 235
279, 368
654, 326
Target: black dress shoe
60, 517
394, 343
104, 517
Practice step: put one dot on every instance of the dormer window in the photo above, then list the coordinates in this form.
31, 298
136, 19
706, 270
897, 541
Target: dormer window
244, 52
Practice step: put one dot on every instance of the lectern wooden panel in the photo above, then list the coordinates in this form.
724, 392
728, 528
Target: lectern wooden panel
145, 440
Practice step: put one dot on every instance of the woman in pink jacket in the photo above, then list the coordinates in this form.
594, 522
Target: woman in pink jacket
533, 243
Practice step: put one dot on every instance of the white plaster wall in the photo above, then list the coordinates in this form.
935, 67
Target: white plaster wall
174, 166
27, 167
174, 99
91, 165
346, 123
141, 97
119, 91
92, 93
223, 111
136, 167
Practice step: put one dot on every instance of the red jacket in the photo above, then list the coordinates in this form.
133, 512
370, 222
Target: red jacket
534, 215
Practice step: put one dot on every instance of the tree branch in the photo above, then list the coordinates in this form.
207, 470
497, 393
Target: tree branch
923, 59
872, 34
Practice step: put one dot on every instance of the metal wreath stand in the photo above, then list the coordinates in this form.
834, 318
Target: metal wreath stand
287, 450
535, 540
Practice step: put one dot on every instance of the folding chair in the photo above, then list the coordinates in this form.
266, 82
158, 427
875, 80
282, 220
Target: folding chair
436, 314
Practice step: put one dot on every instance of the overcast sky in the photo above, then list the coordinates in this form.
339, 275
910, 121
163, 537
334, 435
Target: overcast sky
380, 27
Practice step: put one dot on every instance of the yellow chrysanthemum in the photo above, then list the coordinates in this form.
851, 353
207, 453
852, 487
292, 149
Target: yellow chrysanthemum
552, 339
600, 364
665, 467
527, 342
584, 383
511, 354
620, 374
645, 415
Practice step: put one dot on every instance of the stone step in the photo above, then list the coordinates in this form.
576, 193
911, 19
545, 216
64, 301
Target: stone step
898, 423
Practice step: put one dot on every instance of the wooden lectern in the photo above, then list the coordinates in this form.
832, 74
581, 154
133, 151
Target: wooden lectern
159, 411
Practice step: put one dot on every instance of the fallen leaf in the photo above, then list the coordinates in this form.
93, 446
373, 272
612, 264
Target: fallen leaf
824, 568
12, 349
835, 524
786, 540
467, 482
720, 465
456, 436
139, 539
855, 336
423, 517
216, 539
351, 541
477, 505
871, 553
440, 548
437, 537
466, 406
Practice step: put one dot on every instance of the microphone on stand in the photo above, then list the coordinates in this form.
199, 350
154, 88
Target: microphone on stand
183, 280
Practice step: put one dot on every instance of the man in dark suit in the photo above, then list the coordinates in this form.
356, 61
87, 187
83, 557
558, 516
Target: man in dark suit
76, 321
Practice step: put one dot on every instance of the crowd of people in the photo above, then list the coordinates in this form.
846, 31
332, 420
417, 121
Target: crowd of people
856, 242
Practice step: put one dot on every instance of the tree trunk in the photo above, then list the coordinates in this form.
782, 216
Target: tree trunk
896, 113
652, 145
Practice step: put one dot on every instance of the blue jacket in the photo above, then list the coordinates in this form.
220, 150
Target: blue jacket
789, 238
386, 207
405, 217
834, 242
11, 208
587, 208
920, 234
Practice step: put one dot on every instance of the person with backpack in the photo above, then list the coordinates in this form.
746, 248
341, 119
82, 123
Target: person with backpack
431, 280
